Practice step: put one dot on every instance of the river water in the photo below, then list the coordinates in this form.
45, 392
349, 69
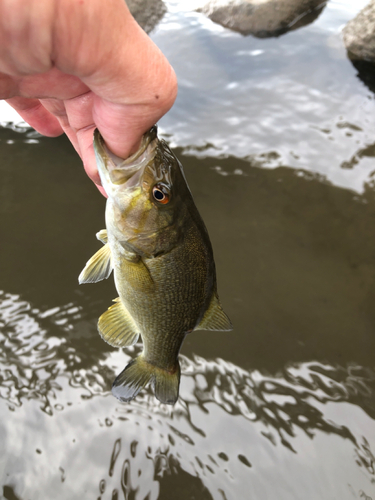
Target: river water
277, 140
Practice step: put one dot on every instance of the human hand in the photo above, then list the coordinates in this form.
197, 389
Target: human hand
74, 65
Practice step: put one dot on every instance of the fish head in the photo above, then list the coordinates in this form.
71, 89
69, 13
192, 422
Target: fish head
147, 195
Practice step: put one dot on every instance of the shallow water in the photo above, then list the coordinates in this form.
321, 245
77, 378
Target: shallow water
281, 408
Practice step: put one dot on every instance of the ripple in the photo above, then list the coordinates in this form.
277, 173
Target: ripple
228, 422
36, 358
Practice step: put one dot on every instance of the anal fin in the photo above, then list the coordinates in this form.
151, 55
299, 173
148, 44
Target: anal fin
98, 268
215, 318
117, 327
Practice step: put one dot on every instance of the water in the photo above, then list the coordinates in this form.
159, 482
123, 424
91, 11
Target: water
281, 408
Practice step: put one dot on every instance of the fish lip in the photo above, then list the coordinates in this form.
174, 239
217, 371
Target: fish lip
120, 170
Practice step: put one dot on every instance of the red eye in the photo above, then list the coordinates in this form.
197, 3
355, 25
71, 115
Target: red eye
161, 194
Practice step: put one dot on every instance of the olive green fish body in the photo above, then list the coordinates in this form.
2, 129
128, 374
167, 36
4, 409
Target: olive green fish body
166, 296
160, 252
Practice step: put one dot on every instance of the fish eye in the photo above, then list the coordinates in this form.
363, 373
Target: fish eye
161, 194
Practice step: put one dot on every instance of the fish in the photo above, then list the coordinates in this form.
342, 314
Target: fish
159, 250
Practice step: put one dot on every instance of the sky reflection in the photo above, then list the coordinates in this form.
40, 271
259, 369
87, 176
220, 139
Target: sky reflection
292, 410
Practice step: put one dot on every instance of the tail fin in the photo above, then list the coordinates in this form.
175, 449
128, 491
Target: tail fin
166, 385
138, 373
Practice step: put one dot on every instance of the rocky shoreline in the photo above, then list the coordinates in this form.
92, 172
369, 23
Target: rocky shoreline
147, 13
270, 18
263, 18
359, 35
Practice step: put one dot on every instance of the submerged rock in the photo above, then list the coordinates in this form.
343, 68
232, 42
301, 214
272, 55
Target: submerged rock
147, 13
359, 35
263, 18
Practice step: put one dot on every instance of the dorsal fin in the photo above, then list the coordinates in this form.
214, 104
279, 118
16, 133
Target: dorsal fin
215, 318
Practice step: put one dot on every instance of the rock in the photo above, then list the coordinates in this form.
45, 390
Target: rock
359, 35
147, 13
263, 18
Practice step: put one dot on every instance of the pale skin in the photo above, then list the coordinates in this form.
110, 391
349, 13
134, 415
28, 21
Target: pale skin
74, 65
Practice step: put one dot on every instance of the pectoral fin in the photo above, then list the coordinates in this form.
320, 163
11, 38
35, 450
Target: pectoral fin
117, 327
98, 268
215, 318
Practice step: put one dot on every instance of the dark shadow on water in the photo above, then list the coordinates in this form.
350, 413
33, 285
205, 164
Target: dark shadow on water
43, 189
296, 264
8, 493
365, 71
295, 255
183, 485
366, 152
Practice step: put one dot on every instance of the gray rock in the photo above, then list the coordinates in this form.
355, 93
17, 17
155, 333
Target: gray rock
359, 34
147, 13
263, 18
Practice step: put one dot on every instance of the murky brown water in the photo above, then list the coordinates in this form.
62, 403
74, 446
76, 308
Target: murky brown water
282, 408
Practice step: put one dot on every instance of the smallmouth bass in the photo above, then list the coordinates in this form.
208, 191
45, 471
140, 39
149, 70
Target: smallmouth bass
158, 247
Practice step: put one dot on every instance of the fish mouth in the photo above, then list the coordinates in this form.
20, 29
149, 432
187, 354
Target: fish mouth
119, 170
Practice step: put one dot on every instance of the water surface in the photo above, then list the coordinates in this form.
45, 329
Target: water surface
281, 408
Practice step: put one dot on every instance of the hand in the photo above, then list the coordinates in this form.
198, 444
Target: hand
74, 65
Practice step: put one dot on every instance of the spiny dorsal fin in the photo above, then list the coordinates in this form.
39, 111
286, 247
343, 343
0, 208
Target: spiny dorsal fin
117, 327
102, 236
98, 268
215, 318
